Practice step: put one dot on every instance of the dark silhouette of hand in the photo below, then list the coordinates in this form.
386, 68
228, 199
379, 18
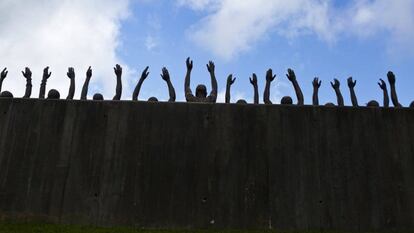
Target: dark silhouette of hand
382, 84
145, 73
291, 75
253, 80
118, 70
336, 84
351, 83
211, 67
4, 74
269, 76
391, 77
71, 73
46, 73
89, 73
230, 80
189, 64
165, 74
316, 83
27, 73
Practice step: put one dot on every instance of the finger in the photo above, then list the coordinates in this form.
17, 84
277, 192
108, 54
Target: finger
4, 70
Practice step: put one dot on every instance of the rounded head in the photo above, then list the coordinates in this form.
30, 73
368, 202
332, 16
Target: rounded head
53, 94
98, 96
330, 104
6, 94
412, 105
152, 99
373, 104
287, 100
201, 91
241, 101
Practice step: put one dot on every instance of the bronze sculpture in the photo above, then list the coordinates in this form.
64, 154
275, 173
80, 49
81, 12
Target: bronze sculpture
394, 97
28, 75
316, 85
351, 85
201, 90
292, 78
253, 81
336, 86
269, 79
383, 87
85, 87
118, 73
3, 76
230, 81
71, 76
46, 76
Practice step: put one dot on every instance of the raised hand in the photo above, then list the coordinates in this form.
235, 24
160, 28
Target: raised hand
351, 83
27, 73
4, 74
71, 73
230, 80
336, 84
118, 70
89, 73
391, 77
253, 80
46, 73
211, 67
382, 84
145, 73
189, 64
316, 83
291, 75
165, 74
269, 76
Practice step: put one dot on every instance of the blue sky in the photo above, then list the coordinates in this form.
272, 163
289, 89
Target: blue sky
317, 38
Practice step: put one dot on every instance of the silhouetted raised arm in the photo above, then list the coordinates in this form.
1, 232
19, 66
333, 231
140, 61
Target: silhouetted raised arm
46, 76
3, 76
71, 76
166, 77
253, 81
28, 75
351, 85
187, 89
336, 86
292, 77
384, 89
230, 82
394, 97
269, 79
316, 85
137, 89
213, 94
84, 94
118, 73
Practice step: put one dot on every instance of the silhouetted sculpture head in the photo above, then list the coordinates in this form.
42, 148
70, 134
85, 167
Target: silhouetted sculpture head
6, 94
98, 96
287, 100
152, 99
241, 101
412, 105
330, 104
53, 94
201, 91
373, 104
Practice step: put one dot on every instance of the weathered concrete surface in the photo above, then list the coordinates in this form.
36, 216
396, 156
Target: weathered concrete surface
200, 165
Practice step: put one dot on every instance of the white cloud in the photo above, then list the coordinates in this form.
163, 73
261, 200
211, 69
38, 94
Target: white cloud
233, 26
59, 34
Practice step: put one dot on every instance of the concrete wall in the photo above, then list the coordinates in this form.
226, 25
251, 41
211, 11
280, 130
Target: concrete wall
207, 166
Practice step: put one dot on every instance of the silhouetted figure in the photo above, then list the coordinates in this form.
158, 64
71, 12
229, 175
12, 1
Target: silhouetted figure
152, 99
373, 104
71, 76
351, 85
118, 73
241, 101
28, 75
336, 86
383, 86
46, 76
230, 81
98, 96
292, 77
330, 104
84, 93
412, 105
253, 81
316, 85
201, 90
6, 94
394, 97
137, 89
3, 76
286, 100
53, 95
269, 79
166, 77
